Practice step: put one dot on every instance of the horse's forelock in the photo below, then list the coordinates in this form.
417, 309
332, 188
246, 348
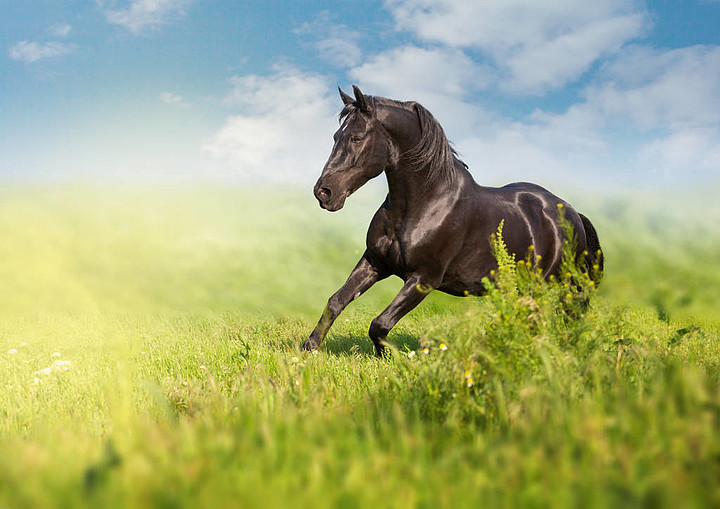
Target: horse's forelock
348, 110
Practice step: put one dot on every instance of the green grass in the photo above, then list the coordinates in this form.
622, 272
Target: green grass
149, 357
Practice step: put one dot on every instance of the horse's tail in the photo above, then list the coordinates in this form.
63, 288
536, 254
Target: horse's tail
595, 258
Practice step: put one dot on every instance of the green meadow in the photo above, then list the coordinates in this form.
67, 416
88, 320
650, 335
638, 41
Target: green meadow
149, 357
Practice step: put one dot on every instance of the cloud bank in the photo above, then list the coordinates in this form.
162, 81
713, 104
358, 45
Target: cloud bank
641, 115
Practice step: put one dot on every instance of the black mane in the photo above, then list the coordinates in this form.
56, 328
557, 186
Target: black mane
433, 154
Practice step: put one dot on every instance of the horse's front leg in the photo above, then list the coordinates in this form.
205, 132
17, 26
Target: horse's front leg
411, 294
363, 276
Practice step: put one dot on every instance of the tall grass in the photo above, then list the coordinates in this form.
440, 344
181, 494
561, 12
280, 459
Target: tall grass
149, 356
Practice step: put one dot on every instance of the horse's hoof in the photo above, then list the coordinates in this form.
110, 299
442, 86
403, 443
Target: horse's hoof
309, 346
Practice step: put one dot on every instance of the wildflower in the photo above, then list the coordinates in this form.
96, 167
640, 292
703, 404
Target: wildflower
443, 346
45, 371
426, 350
468, 378
56, 354
423, 288
62, 365
297, 383
12, 351
411, 354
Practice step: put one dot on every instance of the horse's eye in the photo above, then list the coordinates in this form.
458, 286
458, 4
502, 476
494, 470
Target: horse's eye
356, 139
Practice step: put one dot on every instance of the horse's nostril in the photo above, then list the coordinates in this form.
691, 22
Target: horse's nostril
324, 193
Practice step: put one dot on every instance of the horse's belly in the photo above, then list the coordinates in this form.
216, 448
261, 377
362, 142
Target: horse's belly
466, 278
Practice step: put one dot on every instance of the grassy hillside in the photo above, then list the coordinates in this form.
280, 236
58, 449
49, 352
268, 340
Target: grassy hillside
149, 356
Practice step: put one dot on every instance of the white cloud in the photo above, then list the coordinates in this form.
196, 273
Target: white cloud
143, 14
284, 129
690, 152
441, 79
662, 89
654, 118
536, 46
174, 100
336, 43
444, 71
562, 59
29, 51
61, 30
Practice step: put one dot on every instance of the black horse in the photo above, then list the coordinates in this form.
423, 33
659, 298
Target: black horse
433, 229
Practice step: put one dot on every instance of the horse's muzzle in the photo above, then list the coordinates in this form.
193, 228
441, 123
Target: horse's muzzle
327, 199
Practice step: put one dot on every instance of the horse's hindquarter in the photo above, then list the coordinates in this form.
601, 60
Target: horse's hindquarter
529, 214
532, 219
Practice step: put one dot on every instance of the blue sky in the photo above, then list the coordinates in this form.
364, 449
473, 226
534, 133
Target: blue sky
618, 92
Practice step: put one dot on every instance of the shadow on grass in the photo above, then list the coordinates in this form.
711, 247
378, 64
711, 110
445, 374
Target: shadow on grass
355, 344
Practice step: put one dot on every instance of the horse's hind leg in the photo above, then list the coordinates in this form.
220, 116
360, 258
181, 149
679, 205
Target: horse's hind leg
411, 294
363, 276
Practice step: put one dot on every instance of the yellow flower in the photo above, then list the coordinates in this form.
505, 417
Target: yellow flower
443, 346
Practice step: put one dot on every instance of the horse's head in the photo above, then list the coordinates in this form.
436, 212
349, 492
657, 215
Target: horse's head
361, 152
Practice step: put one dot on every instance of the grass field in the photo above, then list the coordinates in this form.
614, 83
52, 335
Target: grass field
149, 357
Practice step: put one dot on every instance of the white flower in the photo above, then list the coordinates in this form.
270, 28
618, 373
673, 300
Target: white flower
443, 346
12, 351
45, 371
411, 354
56, 354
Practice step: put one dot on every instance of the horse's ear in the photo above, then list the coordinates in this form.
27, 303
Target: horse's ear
362, 100
346, 99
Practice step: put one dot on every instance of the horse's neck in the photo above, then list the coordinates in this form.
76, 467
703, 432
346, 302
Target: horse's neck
411, 194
